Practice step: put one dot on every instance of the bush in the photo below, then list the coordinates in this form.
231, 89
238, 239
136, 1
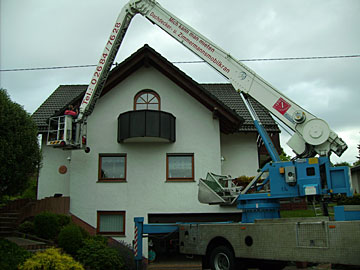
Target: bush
70, 239
95, 255
27, 227
46, 225
243, 180
343, 200
50, 259
63, 220
30, 191
126, 252
85, 234
101, 239
11, 255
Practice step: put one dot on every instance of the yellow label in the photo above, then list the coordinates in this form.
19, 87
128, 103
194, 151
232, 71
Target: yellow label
313, 160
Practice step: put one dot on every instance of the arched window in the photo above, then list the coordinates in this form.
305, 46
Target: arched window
147, 100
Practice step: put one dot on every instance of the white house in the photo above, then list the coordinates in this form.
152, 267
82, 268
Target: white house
153, 133
355, 178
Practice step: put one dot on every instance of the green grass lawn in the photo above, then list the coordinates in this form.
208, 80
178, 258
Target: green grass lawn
297, 213
304, 213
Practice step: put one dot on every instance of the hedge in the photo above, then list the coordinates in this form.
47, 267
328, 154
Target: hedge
11, 255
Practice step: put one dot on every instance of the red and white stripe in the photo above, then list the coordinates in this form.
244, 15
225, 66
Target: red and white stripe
136, 242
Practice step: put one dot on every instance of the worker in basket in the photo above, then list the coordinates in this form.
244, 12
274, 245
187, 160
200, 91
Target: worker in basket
71, 111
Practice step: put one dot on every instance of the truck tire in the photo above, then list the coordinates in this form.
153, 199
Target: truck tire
222, 258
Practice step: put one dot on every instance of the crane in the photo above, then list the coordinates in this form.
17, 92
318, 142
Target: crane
311, 135
307, 175
310, 174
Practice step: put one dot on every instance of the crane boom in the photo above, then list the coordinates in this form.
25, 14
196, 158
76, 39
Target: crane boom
311, 134
104, 65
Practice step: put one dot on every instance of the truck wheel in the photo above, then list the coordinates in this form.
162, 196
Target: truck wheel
222, 258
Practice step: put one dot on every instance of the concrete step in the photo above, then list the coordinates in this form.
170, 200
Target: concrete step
9, 227
4, 233
28, 244
8, 222
8, 219
3, 212
9, 214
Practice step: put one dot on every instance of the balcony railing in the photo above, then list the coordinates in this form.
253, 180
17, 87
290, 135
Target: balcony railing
146, 126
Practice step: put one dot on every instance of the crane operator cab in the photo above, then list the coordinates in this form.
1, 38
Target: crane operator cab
63, 131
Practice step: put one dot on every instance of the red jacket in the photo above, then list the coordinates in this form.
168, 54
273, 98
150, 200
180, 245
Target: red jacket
69, 112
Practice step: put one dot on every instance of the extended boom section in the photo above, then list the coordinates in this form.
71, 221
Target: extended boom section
312, 135
106, 60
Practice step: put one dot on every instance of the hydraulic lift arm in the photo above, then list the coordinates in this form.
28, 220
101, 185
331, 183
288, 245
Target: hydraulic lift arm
302, 177
311, 135
106, 60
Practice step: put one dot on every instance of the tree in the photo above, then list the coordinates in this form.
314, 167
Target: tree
284, 156
343, 163
19, 149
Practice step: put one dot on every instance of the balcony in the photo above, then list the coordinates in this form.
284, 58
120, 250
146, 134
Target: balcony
146, 126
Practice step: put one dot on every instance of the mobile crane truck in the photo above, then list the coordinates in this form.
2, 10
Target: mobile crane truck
262, 235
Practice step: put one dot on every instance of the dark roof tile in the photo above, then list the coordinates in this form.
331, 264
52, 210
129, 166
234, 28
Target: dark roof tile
57, 101
227, 94
223, 93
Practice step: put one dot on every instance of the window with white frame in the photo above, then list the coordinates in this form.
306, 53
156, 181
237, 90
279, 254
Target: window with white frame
147, 100
112, 167
180, 167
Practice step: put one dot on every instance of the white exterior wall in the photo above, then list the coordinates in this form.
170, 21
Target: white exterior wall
50, 180
355, 178
146, 190
239, 154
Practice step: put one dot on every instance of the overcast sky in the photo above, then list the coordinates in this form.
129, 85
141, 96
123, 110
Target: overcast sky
49, 33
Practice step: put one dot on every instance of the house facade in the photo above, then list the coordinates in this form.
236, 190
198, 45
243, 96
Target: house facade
355, 178
153, 133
